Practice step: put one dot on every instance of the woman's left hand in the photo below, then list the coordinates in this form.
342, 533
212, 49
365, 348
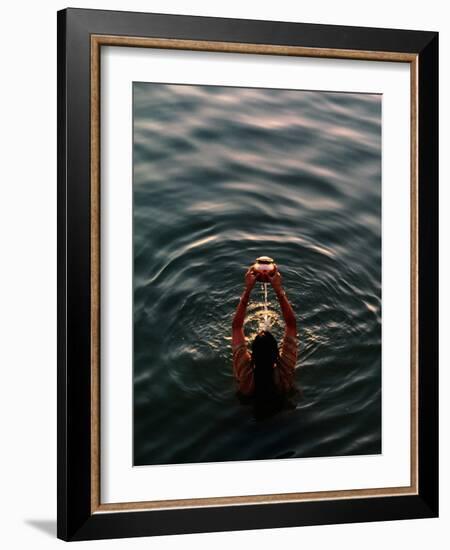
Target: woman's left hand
250, 278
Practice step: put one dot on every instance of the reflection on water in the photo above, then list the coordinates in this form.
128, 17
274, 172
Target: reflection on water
221, 176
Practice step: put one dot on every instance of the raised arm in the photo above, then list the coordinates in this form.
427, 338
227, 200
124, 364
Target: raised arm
286, 308
239, 317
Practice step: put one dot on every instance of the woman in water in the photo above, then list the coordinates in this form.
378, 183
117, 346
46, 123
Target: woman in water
267, 374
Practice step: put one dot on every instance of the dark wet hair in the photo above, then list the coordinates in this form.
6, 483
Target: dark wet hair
264, 352
264, 356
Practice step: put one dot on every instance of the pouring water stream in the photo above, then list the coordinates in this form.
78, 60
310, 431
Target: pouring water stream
265, 325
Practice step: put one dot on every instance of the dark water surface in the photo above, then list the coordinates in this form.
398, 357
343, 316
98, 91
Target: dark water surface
224, 175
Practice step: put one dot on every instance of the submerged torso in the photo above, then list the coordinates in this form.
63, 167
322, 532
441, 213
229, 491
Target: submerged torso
272, 392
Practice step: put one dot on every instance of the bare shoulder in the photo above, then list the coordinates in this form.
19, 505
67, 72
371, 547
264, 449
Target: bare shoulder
288, 357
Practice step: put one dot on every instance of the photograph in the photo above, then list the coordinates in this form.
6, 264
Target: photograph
247, 272
257, 306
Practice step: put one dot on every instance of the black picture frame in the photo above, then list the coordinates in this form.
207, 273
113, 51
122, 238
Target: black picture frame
76, 518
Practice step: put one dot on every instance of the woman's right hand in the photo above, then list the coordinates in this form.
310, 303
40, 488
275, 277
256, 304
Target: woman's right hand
250, 278
275, 280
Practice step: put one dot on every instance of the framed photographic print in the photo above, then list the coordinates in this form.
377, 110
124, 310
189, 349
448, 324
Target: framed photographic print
247, 257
